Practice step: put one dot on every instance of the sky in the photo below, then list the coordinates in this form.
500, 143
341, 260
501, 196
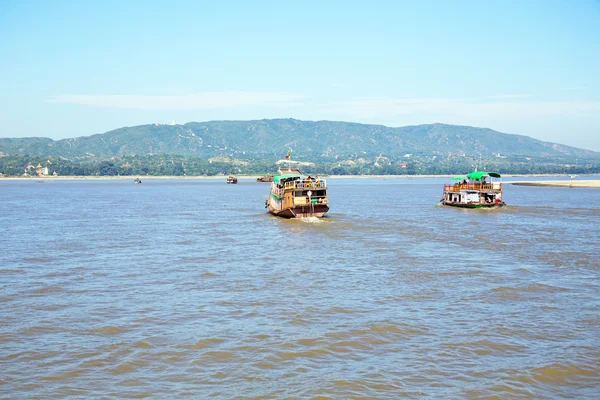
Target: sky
77, 68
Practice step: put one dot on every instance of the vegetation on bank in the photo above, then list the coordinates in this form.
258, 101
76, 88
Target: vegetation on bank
164, 165
252, 147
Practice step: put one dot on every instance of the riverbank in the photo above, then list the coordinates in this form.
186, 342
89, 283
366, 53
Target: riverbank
220, 177
98, 178
217, 177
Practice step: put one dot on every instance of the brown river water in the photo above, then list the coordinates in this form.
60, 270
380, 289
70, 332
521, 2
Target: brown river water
186, 288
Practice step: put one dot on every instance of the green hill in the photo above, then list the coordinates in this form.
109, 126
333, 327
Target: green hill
270, 139
224, 147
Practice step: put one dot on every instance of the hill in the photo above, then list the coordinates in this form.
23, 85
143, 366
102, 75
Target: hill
250, 147
270, 139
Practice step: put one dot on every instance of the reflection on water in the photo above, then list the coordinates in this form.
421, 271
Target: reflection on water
175, 288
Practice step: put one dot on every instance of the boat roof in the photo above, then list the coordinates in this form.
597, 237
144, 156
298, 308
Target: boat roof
477, 175
278, 178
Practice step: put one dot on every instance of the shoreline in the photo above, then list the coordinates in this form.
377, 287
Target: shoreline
217, 177
106, 178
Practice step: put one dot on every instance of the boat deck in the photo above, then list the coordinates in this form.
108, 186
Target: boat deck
457, 187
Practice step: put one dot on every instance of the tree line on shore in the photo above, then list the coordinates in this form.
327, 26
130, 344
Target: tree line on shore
164, 165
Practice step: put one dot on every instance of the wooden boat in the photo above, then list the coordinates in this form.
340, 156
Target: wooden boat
475, 190
232, 179
294, 195
266, 178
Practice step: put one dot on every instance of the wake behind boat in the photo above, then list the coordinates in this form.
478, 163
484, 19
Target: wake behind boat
474, 191
294, 195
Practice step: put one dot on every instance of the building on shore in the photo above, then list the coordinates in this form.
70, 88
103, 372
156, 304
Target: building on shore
41, 171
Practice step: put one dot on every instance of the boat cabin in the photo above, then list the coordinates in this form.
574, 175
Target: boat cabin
475, 190
296, 195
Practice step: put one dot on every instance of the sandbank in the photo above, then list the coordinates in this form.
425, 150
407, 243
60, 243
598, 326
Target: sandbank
575, 184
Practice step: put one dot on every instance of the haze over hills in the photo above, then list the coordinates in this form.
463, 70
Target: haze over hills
320, 141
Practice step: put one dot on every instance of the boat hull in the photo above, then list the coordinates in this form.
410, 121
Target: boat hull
300, 212
473, 205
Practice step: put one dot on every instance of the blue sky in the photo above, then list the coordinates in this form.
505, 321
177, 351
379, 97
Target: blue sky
76, 68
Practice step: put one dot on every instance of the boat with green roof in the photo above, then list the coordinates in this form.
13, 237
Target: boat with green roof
475, 190
295, 195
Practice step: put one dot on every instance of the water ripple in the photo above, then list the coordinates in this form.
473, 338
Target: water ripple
191, 289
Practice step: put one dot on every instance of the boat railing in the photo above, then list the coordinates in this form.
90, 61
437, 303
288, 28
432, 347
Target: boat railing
305, 200
472, 186
306, 184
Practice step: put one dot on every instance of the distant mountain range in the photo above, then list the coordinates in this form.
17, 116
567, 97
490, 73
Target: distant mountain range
320, 141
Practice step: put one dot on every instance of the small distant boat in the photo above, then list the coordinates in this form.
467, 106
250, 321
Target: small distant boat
474, 191
232, 179
294, 195
137, 180
266, 178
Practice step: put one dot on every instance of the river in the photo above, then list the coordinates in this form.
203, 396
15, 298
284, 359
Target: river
189, 288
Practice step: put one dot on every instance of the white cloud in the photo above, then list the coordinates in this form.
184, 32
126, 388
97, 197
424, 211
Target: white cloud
573, 89
197, 101
436, 108
508, 105
508, 96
